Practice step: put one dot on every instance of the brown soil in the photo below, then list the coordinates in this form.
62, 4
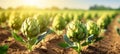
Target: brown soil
108, 45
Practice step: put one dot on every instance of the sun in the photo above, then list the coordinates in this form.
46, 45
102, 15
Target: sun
31, 2
36, 3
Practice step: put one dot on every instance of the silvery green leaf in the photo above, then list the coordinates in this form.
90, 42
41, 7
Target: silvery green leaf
17, 37
98, 39
67, 40
118, 30
90, 38
49, 31
41, 36
64, 45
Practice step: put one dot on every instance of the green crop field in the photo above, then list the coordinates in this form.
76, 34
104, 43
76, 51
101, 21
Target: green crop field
32, 30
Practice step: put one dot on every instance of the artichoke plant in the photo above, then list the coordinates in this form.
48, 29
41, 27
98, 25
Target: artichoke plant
75, 35
87, 16
31, 30
58, 24
77, 16
79, 35
92, 28
93, 31
94, 15
104, 21
76, 31
42, 20
66, 17
71, 16
15, 22
2, 17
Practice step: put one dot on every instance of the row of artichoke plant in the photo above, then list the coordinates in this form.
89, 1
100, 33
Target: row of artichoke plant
80, 34
35, 28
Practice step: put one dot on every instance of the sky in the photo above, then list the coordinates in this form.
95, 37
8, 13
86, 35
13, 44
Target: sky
83, 4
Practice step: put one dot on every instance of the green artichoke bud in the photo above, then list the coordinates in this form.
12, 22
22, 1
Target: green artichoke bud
58, 23
42, 21
15, 22
3, 18
94, 15
87, 16
66, 17
71, 16
92, 28
30, 27
76, 31
104, 21
77, 17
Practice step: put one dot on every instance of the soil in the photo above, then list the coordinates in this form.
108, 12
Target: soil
108, 45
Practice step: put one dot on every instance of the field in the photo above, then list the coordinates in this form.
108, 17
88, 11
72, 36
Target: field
25, 25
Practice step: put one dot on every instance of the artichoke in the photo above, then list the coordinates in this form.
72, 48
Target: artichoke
71, 16
66, 17
76, 31
42, 21
92, 28
87, 16
58, 23
15, 22
77, 17
104, 21
30, 27
3, 17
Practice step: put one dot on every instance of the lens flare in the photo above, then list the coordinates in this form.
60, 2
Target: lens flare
31, 2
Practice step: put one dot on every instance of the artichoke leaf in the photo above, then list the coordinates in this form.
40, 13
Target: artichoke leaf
67, 40
17, 37
41, 36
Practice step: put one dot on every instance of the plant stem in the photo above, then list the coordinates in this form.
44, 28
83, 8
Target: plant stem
29, 47
79, 48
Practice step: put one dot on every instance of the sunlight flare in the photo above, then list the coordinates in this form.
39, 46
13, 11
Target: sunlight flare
37, 3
